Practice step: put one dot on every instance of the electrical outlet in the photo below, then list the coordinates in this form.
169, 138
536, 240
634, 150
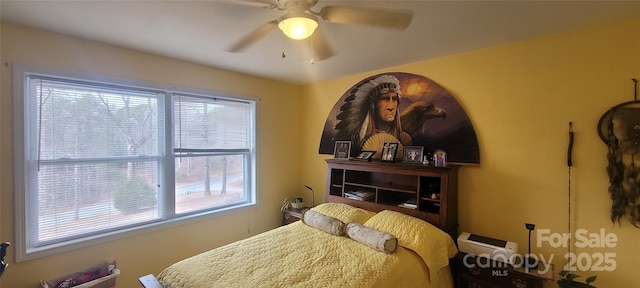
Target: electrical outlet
530, 226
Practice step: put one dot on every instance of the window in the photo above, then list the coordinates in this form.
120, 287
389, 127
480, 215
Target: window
99, 159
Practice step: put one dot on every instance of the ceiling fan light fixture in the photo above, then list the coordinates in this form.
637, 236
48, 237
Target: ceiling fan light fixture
298, 26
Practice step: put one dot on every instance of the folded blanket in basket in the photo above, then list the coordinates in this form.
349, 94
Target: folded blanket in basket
98, 271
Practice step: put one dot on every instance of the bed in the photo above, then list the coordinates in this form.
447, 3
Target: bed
390, 249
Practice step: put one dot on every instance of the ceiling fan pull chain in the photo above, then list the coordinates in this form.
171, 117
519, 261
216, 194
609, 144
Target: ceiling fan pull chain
313, 51
284, 55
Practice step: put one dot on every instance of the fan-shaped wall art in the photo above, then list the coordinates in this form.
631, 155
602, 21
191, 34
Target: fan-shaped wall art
405, 108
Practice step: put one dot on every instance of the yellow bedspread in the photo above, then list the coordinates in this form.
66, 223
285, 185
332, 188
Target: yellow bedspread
298, 255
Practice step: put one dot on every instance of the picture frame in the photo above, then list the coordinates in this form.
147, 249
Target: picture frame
389, 150
342, 150
412, 154
439, 158
365, 155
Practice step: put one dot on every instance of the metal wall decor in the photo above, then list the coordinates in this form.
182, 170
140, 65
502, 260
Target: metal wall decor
619, 128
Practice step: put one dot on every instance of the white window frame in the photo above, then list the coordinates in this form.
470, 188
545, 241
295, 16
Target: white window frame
167, 216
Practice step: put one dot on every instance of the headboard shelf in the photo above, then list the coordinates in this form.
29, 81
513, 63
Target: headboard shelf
431, 193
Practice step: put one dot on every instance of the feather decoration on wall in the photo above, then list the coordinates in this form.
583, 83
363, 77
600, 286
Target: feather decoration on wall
619, 128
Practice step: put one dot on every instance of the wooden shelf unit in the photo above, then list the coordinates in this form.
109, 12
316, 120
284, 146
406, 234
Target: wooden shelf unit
396, 183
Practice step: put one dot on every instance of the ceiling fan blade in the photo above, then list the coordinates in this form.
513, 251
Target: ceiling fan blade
266, 4
392, 19
254, 36
321, 46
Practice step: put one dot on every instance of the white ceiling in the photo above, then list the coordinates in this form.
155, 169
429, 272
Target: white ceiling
201, 31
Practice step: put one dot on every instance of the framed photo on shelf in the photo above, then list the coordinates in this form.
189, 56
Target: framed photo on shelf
412, 154
342, 150
439, 158
365, 156
389, 152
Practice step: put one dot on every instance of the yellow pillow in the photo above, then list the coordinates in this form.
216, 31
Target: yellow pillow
343, 212
434, 246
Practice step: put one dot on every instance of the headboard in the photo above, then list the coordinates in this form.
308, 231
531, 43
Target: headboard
426, 192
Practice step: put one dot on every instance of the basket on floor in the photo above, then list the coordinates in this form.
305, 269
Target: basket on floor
103, 275
108, 281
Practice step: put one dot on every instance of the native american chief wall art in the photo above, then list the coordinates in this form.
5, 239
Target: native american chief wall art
403, 108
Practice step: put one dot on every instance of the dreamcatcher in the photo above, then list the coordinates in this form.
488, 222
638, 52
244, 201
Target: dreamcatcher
619, 128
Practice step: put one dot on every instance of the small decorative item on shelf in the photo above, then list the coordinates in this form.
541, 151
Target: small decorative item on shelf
412, 154
389, 152
427, 159
440, 158
365, 156
342, 150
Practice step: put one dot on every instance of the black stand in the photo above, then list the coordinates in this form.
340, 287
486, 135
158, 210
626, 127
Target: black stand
529, 262
313, 196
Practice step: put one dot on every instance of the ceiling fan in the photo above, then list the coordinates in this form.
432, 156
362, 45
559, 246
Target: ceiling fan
301, 22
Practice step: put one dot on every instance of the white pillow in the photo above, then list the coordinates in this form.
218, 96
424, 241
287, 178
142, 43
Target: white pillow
376, 239
323, 222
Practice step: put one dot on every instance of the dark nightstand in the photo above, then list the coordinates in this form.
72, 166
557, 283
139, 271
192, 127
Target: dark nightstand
482, 273
291, 215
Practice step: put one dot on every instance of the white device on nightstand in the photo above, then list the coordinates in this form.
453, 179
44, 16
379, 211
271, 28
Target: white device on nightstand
495, 249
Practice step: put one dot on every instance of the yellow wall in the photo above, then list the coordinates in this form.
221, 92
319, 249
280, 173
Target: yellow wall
150, 252
521, 98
